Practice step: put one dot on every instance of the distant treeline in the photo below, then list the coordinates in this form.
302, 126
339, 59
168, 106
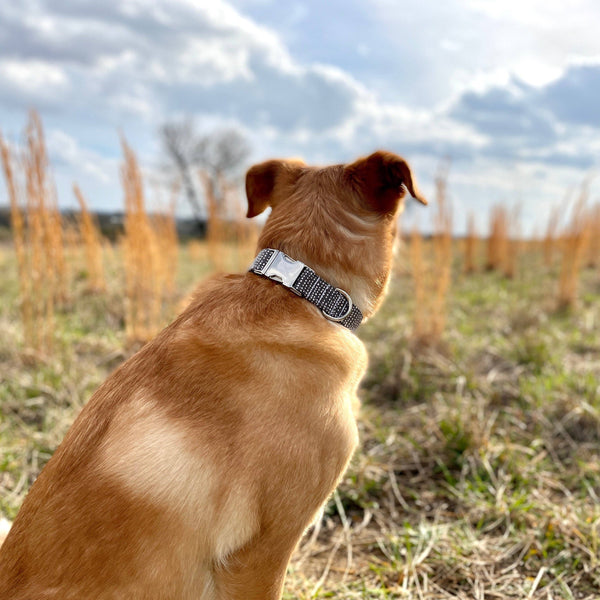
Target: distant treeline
112, 224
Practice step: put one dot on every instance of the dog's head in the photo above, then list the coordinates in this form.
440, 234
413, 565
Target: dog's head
339, 220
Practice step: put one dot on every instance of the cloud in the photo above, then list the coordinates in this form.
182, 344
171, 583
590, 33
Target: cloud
505, 113
497, 89
540, 124
31, 82
151, 60
574, 98
65, 151
131, 64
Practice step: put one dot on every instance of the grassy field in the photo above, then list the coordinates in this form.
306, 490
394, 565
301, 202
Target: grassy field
478, 473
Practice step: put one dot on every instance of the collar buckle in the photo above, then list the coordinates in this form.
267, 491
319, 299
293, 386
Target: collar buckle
280, 267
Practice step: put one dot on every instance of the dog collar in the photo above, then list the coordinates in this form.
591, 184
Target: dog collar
335, 304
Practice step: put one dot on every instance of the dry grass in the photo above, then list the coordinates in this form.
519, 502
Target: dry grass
593, 258
470, 246
19, 239
38, 237
228, 229
504, 241
550, 241
574, 243
497, 244
432, 278
165, 230
150, 257
477, 476
92, 242
513, 244
419, 274
442, 255
216, 234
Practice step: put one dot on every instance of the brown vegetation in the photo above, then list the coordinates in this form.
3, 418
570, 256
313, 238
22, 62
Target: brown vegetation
470, 246
574, 242
593, 260
149, 256
432, 278
419, 273
513, 245
92, 242
504, 241
498, 238
549, 242
38, 237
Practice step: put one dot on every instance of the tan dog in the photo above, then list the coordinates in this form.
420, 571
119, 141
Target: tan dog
195, 468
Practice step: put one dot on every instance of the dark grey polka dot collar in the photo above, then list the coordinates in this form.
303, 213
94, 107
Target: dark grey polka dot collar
335, 304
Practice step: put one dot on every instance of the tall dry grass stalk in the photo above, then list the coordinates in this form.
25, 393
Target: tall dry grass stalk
513, 244
419, 276
231, 238
442, 255
504, 244
42, 205
549, 243
470, 246
432, 278
149, 256
38, 237
165, 229
497, 244
216, 234
196, 250
593, 261
92, 242
20, 239
245, 231
574, 242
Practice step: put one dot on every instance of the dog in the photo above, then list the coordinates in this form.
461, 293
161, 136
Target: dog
195, 468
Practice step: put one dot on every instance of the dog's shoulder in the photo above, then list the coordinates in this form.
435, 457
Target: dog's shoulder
235, 310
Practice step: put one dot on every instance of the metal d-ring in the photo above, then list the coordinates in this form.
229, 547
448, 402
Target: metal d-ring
338, 319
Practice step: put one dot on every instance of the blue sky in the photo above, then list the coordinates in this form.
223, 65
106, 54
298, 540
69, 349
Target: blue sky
509, 90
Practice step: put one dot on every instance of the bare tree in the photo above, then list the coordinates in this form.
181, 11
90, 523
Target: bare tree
217, 157
179, 141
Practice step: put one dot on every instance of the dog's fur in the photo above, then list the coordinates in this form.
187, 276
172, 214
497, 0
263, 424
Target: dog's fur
195, 468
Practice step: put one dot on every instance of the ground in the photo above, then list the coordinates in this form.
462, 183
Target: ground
478, 473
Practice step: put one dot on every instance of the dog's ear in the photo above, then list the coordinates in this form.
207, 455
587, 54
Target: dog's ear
381, 179
268, 181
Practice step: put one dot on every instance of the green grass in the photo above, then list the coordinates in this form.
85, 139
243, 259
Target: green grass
478, 474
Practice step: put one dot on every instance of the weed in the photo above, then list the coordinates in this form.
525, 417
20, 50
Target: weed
574, 245
92, 240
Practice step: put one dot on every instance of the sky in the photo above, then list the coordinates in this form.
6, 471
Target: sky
508, 91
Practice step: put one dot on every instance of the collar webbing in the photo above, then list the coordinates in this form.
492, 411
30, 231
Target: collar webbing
335, 304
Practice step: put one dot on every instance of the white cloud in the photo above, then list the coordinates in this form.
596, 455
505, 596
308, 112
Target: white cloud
458, 40
503, 88
64, 150
32, 80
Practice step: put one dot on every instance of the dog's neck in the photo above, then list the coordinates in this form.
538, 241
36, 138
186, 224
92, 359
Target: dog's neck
357, 287
365, 293
349, 252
